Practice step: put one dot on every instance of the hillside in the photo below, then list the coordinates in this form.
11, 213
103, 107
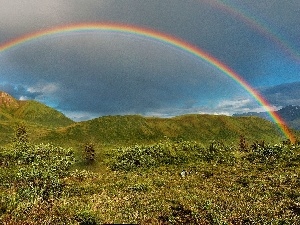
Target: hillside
31, 112
133, 174
37, 117
35, 112
115, 130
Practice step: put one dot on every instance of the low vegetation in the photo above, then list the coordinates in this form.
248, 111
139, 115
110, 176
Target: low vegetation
168, 182
169, 152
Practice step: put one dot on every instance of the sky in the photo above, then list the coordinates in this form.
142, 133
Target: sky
90, 73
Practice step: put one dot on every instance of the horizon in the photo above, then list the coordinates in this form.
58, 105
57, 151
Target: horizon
150, 115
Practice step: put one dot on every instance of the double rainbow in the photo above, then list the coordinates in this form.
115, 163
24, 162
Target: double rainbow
159, 36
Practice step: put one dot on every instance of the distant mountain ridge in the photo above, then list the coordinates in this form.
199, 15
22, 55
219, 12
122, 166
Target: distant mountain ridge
290, 114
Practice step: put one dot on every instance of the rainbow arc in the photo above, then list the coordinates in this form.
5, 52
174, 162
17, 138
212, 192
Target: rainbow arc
159, 36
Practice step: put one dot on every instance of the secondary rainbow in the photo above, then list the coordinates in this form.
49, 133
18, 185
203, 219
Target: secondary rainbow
257, 25
159, 36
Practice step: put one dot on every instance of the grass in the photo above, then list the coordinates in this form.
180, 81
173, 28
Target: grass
254, 188
212, 195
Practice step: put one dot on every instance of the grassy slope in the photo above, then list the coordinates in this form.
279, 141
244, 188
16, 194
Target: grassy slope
4, 115
128, 130
47, 125
35, 112
37, 117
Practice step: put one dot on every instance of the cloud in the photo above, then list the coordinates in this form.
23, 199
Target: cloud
223, 107
239, 106
19, 91
224, 35
283, 95
233, 105
46, 89
80, 115
17, 17
227, 37
41, 92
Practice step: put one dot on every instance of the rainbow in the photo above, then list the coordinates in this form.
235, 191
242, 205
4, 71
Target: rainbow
159, 36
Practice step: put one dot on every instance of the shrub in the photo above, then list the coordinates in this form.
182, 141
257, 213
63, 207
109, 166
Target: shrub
243, 146
89, 152
170, 153
217, 152
32, 173
266, 153
21, 134
42, 176
164, 153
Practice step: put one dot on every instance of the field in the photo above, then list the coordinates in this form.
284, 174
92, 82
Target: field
167, 182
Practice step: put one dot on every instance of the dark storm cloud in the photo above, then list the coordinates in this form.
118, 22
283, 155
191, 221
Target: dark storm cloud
203, 23
282, 95
115, 76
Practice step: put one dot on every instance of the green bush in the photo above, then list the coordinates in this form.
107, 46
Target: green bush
217, 152
41, 171
31, 174
163, 153
170, 153
266, 153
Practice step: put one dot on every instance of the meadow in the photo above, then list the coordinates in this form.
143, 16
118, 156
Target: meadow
171, 181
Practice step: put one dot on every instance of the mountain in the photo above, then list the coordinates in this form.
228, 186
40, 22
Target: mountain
7, 101
30, 111
7, 105
290, 114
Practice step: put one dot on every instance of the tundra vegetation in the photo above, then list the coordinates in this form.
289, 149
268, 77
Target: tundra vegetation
237, 183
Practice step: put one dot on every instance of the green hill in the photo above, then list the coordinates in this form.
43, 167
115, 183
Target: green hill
35, 112
37, 117
127, 130
31, 112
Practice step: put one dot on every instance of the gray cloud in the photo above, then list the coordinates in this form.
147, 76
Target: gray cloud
203, 23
